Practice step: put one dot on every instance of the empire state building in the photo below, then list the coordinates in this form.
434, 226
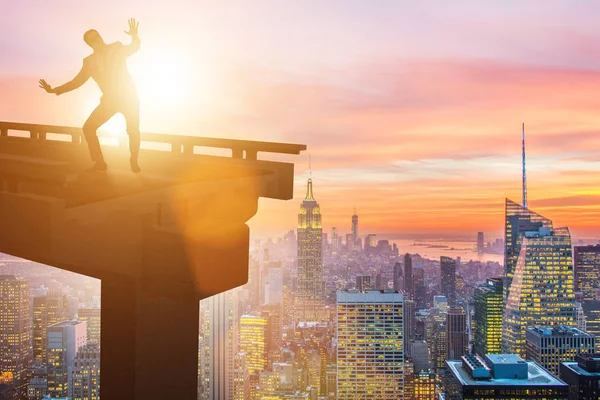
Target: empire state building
310, 294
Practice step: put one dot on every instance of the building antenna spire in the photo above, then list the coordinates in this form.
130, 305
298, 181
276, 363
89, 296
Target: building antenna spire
524, 170
309, 168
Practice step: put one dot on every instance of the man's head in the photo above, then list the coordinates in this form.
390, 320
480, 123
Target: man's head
93, 39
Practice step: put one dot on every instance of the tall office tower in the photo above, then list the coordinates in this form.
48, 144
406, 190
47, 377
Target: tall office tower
456, 324
582, 376
15, 330
424, 383
440, 346
480, 242
409, 324
64, 339
241, 378
408, 277
363, 282
354, 227
311, 287
587, 270
253, 342
380, 283
331, 381
541, 290
518, 221
551, 345
487, 324
47, 310
420, 355
500, 376
334, 240
220, 333
420, 290
397, 276
273, 284
313, 364
91, 316
591, 310
274, 330
448, 278
349, 242
370, 324
409, 371
84, 380
581, 322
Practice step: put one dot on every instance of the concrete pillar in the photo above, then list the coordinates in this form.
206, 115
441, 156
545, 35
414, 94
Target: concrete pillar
149, 344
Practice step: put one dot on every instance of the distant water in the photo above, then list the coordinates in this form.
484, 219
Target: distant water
463, 249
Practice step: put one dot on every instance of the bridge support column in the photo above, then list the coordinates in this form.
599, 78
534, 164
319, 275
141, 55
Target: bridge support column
149, 344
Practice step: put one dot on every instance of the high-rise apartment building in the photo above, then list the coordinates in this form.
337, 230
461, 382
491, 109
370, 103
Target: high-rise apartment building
487, 324
220, 333
587, 270
551, 345
64, 340
253, 342
84, 380
15, 330
456, 325
370, 345
541, 284
448, 278
311, 287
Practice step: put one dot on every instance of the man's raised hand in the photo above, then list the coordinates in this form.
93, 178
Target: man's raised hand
133, 27
44, 85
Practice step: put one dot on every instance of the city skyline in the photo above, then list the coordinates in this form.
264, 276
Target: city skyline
415, 149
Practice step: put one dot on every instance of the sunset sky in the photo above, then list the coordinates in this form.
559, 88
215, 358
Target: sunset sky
411, 110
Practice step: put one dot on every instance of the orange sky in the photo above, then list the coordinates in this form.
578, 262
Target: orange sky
411, 112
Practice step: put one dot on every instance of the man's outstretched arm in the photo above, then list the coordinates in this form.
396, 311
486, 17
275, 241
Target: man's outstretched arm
76, 82
134, 46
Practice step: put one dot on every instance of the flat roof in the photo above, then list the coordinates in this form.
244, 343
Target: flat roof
371, 296
580, 371
504, 358
537, 377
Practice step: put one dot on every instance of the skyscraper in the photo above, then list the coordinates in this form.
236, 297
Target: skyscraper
480, 242
518, 221
456, 324
253, 342
587, 270
448, 278
370, 353
397, 277
363, 282
541, 283
84, 382
91, 316
220, 333
420, 290
551, 345
408, 276
15, 330
310, 295
64, 340
47, 310
354, 227
241, 378
487, 327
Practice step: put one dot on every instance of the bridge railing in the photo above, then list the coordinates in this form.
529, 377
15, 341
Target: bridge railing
180, 144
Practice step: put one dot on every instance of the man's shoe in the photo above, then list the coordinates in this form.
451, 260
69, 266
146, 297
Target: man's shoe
99, 166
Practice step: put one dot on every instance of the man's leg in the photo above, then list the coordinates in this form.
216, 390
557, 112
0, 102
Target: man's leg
132, 117
97, 118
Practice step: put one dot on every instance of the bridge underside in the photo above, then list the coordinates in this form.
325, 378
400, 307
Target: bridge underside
160, 241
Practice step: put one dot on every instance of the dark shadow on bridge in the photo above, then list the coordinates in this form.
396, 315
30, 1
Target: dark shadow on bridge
160, 241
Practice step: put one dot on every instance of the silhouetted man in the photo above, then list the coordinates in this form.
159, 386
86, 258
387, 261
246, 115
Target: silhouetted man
108, 67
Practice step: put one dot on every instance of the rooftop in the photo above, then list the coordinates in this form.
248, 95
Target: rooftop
556, 330
504, 358
385, 296
537, 376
